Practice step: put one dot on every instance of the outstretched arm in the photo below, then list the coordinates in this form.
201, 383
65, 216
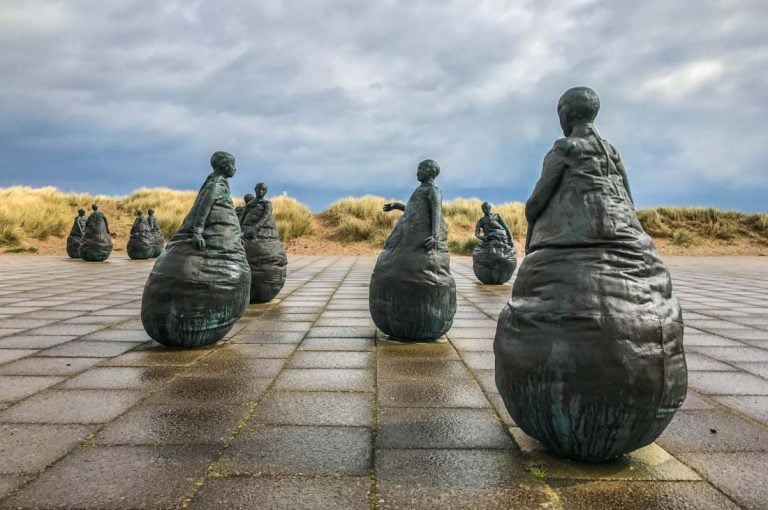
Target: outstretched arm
394, 205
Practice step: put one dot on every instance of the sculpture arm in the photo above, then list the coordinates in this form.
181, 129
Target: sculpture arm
394, 205
264, 216
552, 172
435, 201
623, 172
106, 224
135, 227
479, 229
203, 206
506, 229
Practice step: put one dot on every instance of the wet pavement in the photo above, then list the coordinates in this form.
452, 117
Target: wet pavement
305, 406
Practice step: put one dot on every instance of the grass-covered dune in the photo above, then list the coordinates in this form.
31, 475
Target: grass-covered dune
37, 220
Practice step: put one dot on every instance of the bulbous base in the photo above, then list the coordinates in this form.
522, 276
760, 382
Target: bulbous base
411, 311
73, 247
92, 252
139, 249
187, 314
493, 263
266, 283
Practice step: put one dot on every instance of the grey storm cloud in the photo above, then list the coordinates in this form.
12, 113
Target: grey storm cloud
353, 94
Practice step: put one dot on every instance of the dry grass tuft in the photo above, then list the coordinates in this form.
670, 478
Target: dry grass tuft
292, 217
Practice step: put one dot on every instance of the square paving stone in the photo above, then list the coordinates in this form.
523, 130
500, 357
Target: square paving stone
282, 492
337, 344
322, 379
695, 401
727, 383
440, 428
30, 448
48, 366
740, 475
735, 353
753, 406
247, 368
268, 337
72, 406
9, 483
118, 335
648, 463
174, 424
77, 348
156, 357
7, 355
342, 332
66, 329
315, 408
120, 378
712, 430
455, 479
33, 342
344, 322
473, 344
610, 495
416, 350
252, 351
474, 332
211, 390
17, 387
415, 393
421, 368
479, 360
705, 339
120, 477
698, 362
330, 359
294, 450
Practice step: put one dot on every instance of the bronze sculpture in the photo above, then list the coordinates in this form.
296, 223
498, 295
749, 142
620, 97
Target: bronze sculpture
589, 348
199, 286
493, 259
158, 240
239, 210
96, 243
75, 237
266, 254
141, 243
412, 295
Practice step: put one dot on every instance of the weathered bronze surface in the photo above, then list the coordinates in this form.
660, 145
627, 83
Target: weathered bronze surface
589, 349
493, 260
199, 286
266, 254
141, 244
75, 237
158, 240
412, 295
96, 243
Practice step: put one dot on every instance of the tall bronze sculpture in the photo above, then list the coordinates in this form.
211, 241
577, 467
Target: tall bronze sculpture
589, 349
75, 237
266, 254
97, 243
141, 243
158, 240
493, 260
199, 286
412, 295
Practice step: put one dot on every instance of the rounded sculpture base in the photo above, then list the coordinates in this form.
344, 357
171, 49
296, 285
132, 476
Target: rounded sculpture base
493, 266
73, 247
411, 311
187, 314
139, 250
95, 252
266, 283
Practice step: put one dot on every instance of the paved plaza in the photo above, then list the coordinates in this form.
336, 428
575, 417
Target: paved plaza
304, 406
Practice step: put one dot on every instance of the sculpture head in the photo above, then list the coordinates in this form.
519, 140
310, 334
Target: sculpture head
150, 211
139, 213
247, 197
95, 207
428, 170
578, 105
261, 190
81, 212
223, 163
486, 207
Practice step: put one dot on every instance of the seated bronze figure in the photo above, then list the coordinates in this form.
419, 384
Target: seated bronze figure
141, 243
97, 242
493, 259
76, 233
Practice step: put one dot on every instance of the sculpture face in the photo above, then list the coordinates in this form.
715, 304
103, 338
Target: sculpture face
486, 207
261, 190
223, 163
150, 212
81, 212
428, 169
247, 197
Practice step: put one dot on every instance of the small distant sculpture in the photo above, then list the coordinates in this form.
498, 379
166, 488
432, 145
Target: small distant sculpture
97, 243
412, 295
199, 288
141, 243
75, 238
158, 240
266, 254
589, 349
493, 260
239, 210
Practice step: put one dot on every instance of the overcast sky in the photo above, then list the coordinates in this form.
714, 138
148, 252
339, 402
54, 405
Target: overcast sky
344, 97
